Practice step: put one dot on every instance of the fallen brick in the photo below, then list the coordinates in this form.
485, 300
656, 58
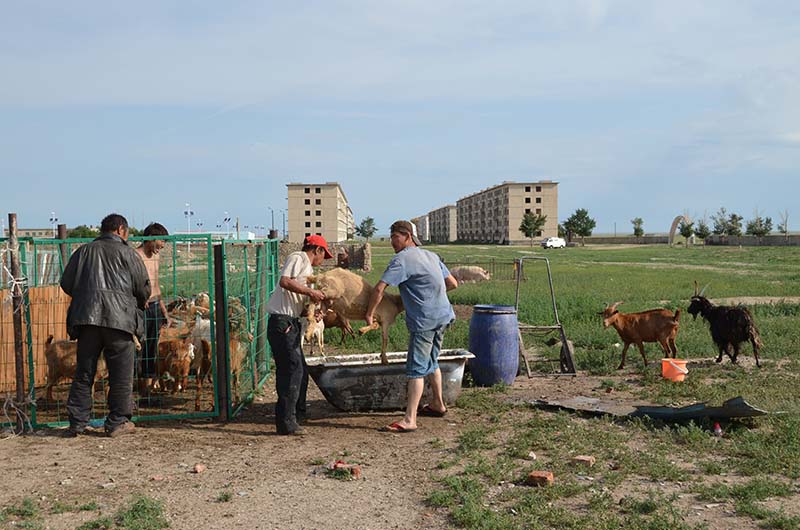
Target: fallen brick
540, 478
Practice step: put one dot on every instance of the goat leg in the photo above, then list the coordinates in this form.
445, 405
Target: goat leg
624, 352
641, 350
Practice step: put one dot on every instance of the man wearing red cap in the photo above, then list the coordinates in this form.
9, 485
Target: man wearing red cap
285, 306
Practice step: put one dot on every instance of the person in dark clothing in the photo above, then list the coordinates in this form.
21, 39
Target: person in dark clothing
155, 313
285, 306
109, 286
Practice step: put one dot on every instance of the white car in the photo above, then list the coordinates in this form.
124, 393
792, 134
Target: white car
554, 242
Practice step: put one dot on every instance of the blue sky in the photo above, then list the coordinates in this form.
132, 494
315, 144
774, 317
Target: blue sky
637, 108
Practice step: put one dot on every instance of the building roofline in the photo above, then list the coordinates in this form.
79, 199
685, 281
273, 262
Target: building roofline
507, 183
321, 184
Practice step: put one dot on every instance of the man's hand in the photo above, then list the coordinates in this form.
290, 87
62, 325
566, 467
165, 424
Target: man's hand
315, 295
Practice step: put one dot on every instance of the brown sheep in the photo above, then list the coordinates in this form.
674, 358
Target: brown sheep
655, 325
348, 295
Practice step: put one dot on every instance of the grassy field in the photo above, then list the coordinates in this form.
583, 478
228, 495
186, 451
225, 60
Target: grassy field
649, 475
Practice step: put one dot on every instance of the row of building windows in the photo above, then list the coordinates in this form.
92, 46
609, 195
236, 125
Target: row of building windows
309, 233
528, 200
316, 212
527, 189
316, 190
318, 224
316, 201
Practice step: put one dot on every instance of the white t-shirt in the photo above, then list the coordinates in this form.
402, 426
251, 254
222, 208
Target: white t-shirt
284, 302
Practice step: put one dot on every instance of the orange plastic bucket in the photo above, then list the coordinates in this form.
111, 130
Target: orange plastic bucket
674, 369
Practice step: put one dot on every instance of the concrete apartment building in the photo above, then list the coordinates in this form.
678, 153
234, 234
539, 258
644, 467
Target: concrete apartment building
442, 224
423, 230
493, 215
318, 209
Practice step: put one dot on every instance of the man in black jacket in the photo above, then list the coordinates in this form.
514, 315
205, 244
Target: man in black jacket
109, 286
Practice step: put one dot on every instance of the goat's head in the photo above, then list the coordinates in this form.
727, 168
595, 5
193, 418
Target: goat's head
609, 313
699, 303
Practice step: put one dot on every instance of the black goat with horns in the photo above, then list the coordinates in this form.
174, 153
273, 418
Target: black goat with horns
730, 326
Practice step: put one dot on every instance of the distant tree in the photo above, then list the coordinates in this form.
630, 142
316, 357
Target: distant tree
579, 223
561, 231
686, 229
532, 225
783, 226
734, 227
759, 226
83, 231
134, 231
720, 220
367, 228
702, 231
637, 223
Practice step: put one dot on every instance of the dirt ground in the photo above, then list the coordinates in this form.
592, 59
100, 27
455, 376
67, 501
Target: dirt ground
271, 481
255, 479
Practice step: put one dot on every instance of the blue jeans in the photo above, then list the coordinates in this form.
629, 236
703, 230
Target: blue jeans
423, 352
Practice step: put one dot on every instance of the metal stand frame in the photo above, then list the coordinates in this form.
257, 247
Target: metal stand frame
567, 358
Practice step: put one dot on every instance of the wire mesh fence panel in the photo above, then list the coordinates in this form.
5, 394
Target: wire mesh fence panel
250, 272
175, 368
497, 270
168, 364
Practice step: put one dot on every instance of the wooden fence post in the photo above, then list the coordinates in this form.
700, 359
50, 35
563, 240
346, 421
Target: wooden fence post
223, 373
16, 292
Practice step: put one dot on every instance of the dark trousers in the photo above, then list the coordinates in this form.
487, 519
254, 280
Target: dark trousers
291, 372
117, 347
148, 356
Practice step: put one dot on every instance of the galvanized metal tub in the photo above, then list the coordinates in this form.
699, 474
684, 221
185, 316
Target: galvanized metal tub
360, 383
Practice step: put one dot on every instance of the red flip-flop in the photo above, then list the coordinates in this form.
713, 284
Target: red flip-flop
428, 411
396, 427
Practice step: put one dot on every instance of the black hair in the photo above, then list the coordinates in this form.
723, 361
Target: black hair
155, 229
112, 222
309, 246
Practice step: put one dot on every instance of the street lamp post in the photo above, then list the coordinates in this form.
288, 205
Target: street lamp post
272, 213
284, 224
188, 213
53, 221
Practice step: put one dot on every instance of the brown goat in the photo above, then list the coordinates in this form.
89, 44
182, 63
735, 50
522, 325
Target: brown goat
333, 319
348, 295
175, 358
62, 358
655, 325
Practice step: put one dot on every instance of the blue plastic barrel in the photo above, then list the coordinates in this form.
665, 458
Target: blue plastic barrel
494, 340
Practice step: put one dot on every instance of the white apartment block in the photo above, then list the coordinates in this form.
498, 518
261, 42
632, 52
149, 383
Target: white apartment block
493, 215
423, 230
319, 209
442, 224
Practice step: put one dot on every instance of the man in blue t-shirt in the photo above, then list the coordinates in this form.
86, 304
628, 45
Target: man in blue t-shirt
423, 281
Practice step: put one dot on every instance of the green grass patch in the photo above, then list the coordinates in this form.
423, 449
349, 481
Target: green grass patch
143, 513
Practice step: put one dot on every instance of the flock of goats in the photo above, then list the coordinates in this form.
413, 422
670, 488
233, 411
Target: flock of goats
186, 346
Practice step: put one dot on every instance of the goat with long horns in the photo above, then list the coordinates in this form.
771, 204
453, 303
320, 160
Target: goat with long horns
730, 325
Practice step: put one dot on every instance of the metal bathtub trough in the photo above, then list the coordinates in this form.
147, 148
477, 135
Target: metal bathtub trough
360, 383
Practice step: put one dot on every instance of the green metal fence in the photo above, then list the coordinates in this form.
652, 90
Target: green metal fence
250, 275
187, 281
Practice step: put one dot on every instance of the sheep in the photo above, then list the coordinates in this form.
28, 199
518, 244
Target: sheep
470, 273
312, 327
655, 325
62, 358
348, 295
730, 326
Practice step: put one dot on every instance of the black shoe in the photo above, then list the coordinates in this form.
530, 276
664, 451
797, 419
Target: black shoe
72, 432
126, 428
296, 432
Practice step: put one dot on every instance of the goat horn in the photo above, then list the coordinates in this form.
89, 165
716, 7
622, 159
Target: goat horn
614, 306
695, 288
703, 290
